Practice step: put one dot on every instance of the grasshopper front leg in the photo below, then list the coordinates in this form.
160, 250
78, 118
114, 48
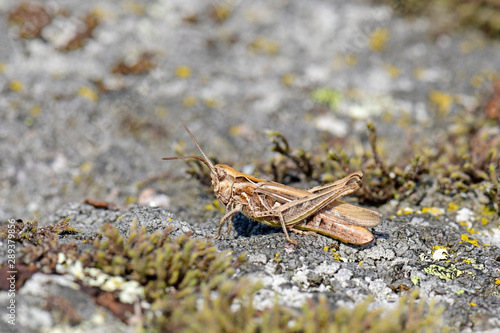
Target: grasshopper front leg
230, 214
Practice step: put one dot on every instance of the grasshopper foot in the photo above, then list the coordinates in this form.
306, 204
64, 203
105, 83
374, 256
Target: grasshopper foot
294, 242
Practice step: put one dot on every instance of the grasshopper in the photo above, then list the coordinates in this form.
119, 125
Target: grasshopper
316, 210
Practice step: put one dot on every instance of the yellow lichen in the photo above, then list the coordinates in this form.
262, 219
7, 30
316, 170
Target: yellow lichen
418, 73
265, 45
434, 211
442, 101
35, 110
415, 280
393, 71
405, 211
88, 93
211, 102
130, 200
477, 81
351, 60
445, 273
221, 11
378, 39
336, 255
189, 101
183, 72
465, 238
133, 7
453, 207
16, 86
288, 79
86, 166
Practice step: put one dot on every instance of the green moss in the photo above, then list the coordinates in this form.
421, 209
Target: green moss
327, 96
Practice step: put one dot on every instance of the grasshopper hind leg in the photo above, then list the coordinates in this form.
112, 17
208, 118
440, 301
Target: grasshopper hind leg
302, 232
285, 231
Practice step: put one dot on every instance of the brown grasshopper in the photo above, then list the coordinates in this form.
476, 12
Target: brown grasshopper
275, 204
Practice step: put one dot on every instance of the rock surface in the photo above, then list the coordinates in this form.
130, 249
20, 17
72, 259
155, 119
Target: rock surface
94, 94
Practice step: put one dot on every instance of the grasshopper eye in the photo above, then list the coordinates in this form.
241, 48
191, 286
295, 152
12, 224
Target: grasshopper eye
352, 181
221, 175
355, 179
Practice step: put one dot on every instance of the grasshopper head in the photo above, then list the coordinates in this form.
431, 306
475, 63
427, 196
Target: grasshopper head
223, 178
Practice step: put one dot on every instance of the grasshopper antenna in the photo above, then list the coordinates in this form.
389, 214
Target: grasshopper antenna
203, 159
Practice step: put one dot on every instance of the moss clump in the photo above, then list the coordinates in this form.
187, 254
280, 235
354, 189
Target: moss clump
302, 162
30, 233
232, 311
45, 256
41, 247
382, 183
189, 287
464, 159
409, 315
165, 267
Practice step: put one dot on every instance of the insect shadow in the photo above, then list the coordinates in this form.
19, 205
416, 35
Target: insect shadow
380, 235
246, 227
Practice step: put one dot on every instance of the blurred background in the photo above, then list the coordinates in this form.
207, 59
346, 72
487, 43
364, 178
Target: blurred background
93, 94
